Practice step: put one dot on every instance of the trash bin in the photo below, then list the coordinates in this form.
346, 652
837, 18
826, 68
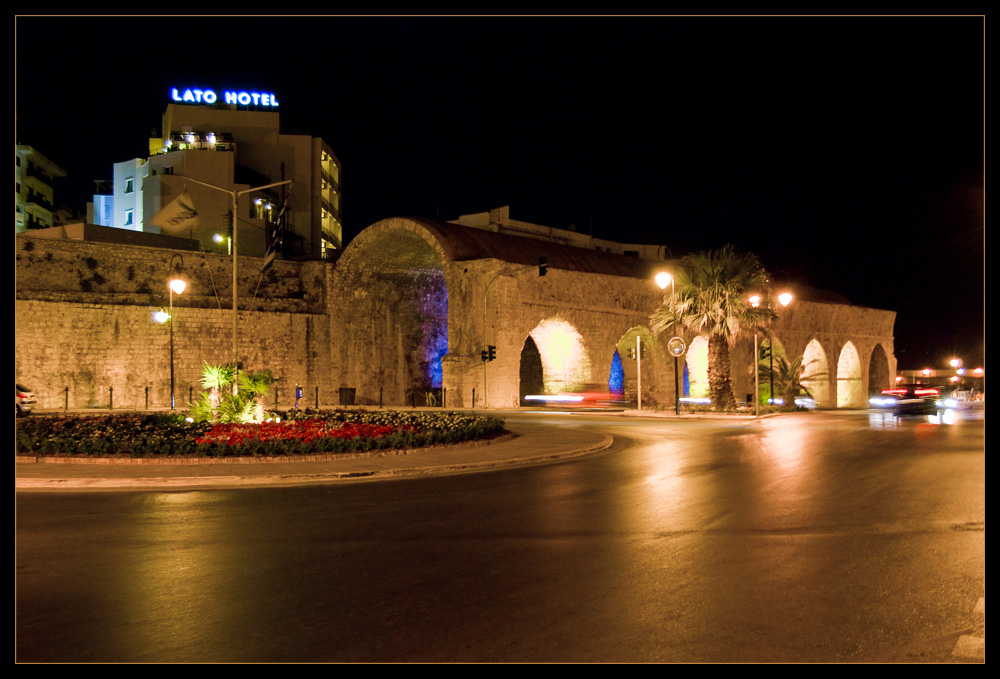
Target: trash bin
347, 396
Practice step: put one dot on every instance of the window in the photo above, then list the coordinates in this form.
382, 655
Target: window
128, 217
129, 184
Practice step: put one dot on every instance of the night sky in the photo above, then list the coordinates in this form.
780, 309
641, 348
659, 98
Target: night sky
846, 152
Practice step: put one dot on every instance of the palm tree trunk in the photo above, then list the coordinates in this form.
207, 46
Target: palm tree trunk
720, 387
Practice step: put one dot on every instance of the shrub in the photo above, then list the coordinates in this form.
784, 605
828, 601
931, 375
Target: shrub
163, 434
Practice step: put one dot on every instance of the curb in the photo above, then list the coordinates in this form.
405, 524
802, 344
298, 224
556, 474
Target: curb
234, 481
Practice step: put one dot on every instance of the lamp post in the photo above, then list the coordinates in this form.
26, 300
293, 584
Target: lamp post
676, 345
784, 299
235, 195
175, 285
219, 238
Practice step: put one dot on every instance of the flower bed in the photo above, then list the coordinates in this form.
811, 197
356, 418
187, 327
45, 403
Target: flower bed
295, 433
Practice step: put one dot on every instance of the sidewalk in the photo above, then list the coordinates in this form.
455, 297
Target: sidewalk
527, 444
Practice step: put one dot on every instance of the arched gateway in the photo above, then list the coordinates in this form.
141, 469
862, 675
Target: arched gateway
414, 303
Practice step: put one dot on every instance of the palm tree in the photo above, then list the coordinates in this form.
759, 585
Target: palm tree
787, 379
711, 297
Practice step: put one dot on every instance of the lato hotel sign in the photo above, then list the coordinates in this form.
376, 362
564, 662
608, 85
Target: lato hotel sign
192, 95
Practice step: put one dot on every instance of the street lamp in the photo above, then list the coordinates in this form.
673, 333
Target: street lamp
219, 238
784, 299
676, 345
235, 196
176, 285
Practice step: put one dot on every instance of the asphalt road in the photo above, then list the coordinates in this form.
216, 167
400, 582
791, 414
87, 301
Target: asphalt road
824, 537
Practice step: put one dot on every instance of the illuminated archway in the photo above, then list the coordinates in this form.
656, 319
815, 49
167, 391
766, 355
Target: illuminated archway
769, 351
564, 359
849, 393
657, 382
696, 368
816, 373
616, 379
531, 380
878, 371
393, 322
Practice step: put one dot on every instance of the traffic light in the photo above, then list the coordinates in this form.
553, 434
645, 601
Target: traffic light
493, 353
631, 353
543, 266
485, 356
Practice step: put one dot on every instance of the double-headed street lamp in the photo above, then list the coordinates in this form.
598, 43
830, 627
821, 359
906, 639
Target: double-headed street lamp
784, 299
235, 196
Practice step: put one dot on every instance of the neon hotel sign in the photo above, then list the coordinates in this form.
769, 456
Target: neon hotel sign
192, 95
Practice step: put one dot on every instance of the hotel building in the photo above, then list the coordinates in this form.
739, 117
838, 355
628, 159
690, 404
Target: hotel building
235, 147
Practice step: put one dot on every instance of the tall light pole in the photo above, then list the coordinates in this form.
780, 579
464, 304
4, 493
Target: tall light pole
176, 285
235, 195
784, 299
676, 345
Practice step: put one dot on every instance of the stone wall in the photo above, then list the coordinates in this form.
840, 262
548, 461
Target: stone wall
84, 323
396, 317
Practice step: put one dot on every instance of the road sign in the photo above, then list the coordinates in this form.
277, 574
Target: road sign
676, 347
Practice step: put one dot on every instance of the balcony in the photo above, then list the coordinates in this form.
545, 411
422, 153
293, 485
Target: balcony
198, 141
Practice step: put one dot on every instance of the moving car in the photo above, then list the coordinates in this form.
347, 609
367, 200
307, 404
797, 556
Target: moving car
963, 399
24, 400
908, 399
590, 396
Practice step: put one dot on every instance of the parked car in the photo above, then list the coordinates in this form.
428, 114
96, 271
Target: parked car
24, 400
908, 399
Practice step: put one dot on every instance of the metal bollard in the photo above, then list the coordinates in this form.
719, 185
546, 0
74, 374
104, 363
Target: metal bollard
111, 398
147, 396
317, 398
66, 405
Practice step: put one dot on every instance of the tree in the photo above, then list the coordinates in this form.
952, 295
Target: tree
787, 379
711, 297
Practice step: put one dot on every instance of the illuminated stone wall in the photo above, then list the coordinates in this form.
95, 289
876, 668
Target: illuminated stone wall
576, 322
84, 320
856, 339
395, 319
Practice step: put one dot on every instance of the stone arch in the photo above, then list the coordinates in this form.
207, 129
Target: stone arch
770, 350
816, 373
657, 381
849, 388
531, 376
390, 328
616, 376
879, 377
565, 362
696, 368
